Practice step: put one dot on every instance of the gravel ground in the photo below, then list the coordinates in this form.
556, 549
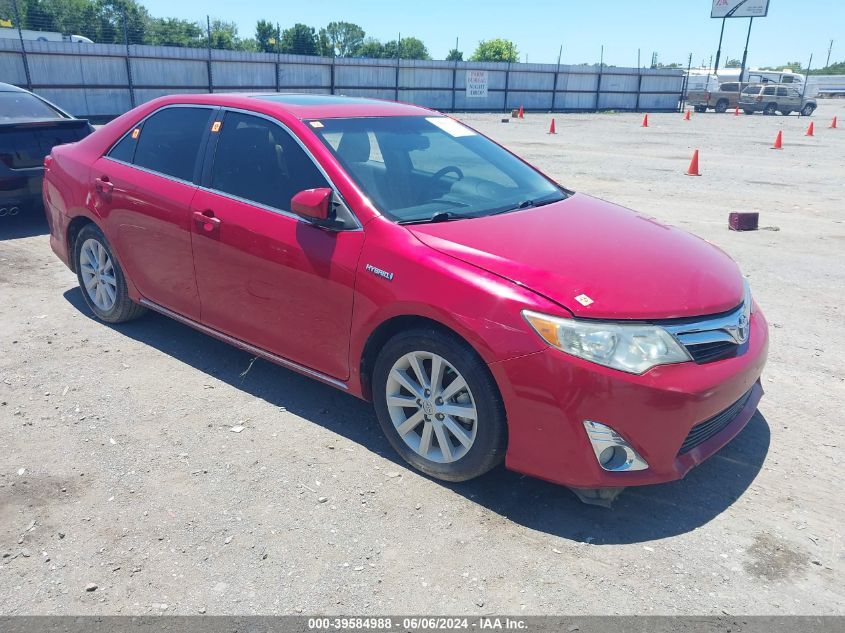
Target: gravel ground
124, 490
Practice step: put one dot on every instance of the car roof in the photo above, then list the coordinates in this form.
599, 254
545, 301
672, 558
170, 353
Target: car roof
307, 106
10, 88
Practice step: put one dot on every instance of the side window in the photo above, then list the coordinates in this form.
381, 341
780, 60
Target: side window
782, 92
794, 93
769, 90
730, 87
170, 140
258, 160
124, 149
787, 79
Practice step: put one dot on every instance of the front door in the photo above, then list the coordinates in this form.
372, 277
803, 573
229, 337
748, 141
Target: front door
265, 276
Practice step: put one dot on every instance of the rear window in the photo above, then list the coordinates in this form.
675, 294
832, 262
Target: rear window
22, 106
169, 142
769, 90
751, 90
730, 87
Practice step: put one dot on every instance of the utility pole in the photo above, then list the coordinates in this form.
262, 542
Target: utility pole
829, 48
23, 48
719, 50
745, 52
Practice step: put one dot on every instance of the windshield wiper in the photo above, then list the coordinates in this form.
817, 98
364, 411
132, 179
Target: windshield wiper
440, 216
526, 204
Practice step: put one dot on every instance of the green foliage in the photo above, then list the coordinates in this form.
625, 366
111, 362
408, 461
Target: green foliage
408, 48
266, 36
733, 63
795, 67
343, 38
371, 48
455, 56
299, 40
836, 68
495, 50
173, 32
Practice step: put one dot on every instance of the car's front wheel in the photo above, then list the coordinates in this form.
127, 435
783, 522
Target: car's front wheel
770, 109
722, 106
438, 405
807, 110
101, 279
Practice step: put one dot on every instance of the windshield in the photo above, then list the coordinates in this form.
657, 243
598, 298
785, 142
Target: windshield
432, 168
21, 106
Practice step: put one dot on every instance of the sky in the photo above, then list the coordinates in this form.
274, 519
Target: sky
673, 28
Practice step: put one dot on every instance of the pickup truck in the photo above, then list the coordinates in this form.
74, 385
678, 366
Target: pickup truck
727, 96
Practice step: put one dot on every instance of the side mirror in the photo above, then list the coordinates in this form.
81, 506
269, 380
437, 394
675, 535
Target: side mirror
312, 203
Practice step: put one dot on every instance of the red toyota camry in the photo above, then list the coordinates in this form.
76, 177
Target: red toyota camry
390, 251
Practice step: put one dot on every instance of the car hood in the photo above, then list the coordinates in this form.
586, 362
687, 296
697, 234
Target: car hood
582, 250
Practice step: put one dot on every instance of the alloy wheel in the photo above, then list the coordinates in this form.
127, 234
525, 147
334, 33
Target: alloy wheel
98, 275
431, 407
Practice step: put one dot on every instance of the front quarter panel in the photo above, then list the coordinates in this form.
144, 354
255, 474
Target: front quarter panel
481, 307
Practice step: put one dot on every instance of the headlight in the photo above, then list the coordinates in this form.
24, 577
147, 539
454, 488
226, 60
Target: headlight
632, 348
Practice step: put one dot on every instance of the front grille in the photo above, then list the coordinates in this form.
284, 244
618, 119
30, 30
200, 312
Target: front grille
704, 431
709, 352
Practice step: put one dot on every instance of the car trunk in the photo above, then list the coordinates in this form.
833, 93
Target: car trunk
24, 144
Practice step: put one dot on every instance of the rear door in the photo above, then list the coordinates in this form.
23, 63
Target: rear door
266, 276
143, 189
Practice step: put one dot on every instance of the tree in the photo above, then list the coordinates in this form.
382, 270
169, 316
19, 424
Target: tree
796, 67
407, 48
343, 38
299, 40
455, 56
371, 48
495, 50
174, 32
266, 36
733, 63
224, 35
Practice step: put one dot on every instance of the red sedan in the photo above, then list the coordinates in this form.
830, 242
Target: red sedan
390, 251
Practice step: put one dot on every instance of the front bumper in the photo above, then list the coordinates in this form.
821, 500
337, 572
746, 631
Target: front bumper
548, 396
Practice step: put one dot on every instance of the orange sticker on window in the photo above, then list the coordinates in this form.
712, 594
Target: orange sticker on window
135, 133
215, 127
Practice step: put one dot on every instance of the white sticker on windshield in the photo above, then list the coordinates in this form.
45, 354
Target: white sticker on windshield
450, 126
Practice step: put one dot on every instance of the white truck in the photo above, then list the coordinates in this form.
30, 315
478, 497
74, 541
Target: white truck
42, 36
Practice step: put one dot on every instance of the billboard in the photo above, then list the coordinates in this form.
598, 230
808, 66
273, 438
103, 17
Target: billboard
476, 84
739, 8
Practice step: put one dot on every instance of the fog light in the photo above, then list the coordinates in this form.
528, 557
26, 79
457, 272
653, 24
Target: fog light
612, 451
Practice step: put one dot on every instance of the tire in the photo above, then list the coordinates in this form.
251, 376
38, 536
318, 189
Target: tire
486, 435
748, 111
808, 109
722, 106
770, 109
105, 295
700, 109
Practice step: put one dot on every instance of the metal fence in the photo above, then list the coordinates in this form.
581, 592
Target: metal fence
104, 80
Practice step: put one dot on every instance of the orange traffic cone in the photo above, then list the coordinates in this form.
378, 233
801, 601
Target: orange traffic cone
809, 131
521, 114
687, 116
833, 124
552, 127
645, 121
736, 111
693, 165
778, 141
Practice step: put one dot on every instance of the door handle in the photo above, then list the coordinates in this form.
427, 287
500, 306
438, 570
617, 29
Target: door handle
206, 220
103, 185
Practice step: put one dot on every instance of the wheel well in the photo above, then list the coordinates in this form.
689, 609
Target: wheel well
384, 332
73, 230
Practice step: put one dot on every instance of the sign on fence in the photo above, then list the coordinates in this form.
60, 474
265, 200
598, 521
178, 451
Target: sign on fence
477, 83
739, 8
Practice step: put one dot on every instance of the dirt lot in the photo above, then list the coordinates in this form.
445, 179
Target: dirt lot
118, 465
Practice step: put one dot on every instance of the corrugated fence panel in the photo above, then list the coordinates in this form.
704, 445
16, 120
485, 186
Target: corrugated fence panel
312, 75
247, 74
11, 69
181, 73
72, 72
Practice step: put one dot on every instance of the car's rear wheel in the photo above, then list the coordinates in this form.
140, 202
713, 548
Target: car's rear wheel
808, 109
438, 405
101, 279
722, 106
770, 109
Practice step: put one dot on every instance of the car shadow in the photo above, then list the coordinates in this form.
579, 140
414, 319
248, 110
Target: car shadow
26, 223
640, 514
